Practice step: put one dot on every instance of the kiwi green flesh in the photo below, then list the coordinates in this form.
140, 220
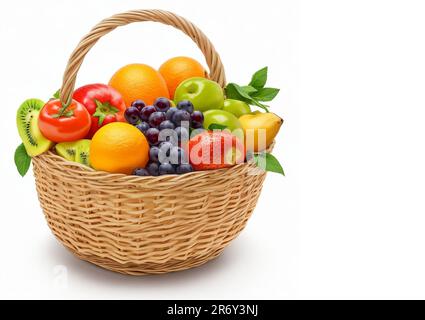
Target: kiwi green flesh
78, 151
27, 123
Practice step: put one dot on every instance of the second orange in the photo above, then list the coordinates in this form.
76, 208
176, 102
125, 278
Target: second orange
178, 69
139, 81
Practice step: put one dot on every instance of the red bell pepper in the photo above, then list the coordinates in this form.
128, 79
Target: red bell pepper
104, 104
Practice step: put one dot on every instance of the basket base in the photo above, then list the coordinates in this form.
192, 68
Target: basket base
148, 268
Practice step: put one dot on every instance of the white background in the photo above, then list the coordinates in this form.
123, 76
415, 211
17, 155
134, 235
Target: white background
348, 219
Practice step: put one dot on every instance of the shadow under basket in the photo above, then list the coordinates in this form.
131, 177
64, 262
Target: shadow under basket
144, 225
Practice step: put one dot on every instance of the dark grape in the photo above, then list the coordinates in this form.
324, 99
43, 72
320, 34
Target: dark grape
143, 126
197, 116
141, 172
153, 168
153, 154
162, 104
166, 168
132, 115
156, 118
184, 168
139, 104
197, 125
167, 124
182, 133
179, 116
178, 154
164, 152
152, 136
146, 112
169, 113
185, 105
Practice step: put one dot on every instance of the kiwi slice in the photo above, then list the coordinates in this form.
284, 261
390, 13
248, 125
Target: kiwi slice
83, 152
27, 123
78, 151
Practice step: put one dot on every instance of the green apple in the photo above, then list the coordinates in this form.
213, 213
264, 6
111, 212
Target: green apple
226, 119
203, 93
237, 107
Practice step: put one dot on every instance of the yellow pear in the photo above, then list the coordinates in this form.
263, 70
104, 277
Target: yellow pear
260, 129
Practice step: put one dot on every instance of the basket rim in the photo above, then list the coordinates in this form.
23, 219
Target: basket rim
88, 170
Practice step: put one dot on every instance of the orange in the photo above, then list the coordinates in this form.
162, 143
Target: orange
178, 69
139, 81
119, 147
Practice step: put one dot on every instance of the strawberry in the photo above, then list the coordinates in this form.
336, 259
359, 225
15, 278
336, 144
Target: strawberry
215, 150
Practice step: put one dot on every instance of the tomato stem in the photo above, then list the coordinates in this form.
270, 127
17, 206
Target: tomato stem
62, 111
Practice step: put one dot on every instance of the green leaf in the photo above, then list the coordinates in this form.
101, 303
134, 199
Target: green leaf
234, 91
57, 94
248, 89
266, 94
271, 163
259, 78
261, 105
216, 126
22, 160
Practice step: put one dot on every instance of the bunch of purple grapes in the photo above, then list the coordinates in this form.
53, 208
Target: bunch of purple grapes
166, 156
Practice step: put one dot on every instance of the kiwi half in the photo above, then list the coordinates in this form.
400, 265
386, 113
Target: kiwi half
78, 151
27, 123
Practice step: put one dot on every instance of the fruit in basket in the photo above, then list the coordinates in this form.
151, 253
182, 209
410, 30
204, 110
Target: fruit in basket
180, 117
62, 123
178, 69
104, 104
203, 93
214, 150
141, 172
156, 118
119, 148
77, 151
27, 122
184, 168
152, 134
139, 82
236, 107
153, 168
169, 114
166, 168
167, 124
186, 105
258, 126
162, 104
167, 133
146, 112
132, 115
225, 119
143, 126
139, 104
197, 119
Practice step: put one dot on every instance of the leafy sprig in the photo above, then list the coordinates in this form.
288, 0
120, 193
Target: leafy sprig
255, 93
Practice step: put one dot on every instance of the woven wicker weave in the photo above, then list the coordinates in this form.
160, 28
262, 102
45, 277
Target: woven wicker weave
144, 225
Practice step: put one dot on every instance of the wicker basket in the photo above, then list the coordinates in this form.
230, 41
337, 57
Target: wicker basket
144, 225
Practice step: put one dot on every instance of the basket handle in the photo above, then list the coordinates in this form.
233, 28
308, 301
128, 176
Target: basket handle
104, 27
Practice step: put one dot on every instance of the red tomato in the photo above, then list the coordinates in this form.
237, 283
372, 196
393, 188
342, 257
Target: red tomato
60, 124
104, 104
